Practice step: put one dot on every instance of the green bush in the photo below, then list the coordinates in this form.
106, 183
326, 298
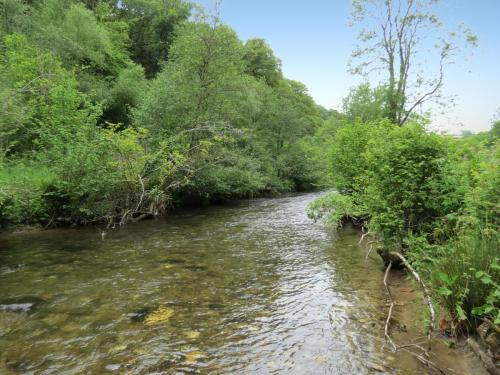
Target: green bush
467, 277
22, 184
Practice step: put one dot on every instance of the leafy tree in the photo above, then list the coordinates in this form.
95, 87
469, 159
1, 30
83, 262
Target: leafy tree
366, 104
75, 34
12, 16
32, 82
261, 62
125, 94
393, 39
152, 24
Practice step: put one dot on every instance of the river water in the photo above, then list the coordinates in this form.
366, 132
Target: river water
251, 288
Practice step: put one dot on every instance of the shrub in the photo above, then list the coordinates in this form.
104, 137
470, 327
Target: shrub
467, 277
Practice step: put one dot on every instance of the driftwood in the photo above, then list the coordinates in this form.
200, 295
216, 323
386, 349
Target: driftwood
392, 259
391, 307
423, 357
427, 295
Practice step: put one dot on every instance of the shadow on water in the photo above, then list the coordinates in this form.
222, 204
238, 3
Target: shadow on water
255, 287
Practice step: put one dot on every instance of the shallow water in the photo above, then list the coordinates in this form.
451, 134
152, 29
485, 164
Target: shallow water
254, 288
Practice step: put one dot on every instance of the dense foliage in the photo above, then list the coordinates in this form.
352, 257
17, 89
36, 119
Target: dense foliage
115, 110
432, 197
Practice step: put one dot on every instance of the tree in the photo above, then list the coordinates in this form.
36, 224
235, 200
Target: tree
11, 12
152, 24
394, 41
201, 85
365, 103
261, 62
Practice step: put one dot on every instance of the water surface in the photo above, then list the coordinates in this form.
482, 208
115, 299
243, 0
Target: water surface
254, 288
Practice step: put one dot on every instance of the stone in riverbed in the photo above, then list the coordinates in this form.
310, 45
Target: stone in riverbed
112, 367
26, 304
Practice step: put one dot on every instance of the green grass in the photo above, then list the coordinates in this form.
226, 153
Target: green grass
22, 184
467, 277
24, 175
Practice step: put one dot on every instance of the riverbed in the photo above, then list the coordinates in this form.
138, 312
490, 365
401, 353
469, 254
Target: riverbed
253, 287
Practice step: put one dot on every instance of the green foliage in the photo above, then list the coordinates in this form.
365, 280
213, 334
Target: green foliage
347, 154
335, 208
406, 187
261, 62
366, 104
435, 198
36, 91
82, 80
21, 188
467, 277
201, 84
205, 96
152, 24
76, 35
125, 94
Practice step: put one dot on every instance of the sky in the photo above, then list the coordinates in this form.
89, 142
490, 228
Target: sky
314, 42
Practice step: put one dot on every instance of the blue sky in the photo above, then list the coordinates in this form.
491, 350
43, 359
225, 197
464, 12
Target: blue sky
314, 42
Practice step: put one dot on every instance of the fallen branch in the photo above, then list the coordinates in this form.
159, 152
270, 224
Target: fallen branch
427, 295
421, 357
389, 314
370, 249
363, 237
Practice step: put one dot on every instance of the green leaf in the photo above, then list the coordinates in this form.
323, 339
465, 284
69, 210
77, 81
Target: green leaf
478, 310
460, 313
444, 291
486, 279
444, 278
479, 274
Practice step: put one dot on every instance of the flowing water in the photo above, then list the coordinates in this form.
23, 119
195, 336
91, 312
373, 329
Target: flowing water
251, 288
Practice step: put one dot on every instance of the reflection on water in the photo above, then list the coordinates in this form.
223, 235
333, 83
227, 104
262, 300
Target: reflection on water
250, 288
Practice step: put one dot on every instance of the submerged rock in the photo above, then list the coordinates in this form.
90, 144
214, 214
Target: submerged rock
26, 304
112, 367
139, 316
173, 261
160, 315
193, 356
376, 367
192, 334
196, 268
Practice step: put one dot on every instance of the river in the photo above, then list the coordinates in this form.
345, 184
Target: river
253, 287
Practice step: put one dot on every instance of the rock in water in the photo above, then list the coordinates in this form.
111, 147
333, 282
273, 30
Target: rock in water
160, 315
20, 304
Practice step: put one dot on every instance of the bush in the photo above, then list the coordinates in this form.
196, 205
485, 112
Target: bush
432, 197
467, 277
22, 184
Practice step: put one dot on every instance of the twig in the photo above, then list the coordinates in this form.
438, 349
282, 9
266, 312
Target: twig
363, 237
142, 193
389, 314
427, 295
405, 347
369, 251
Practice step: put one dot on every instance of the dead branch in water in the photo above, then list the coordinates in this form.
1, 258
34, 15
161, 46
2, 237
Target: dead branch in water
427, 295
423, 358
370, 249
389, 315
364, 235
